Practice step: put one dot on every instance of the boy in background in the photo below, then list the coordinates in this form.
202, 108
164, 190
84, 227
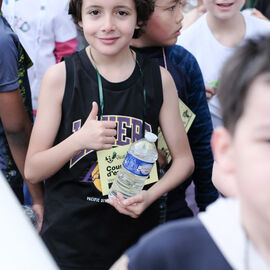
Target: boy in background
232, 233
158, 41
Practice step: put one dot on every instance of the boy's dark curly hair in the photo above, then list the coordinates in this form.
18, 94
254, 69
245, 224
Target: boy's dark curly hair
144, 10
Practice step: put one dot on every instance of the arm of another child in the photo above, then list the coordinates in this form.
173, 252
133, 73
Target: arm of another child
17, 126
43, 158
176, 139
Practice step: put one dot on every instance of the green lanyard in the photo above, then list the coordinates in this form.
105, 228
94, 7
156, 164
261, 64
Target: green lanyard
100, 89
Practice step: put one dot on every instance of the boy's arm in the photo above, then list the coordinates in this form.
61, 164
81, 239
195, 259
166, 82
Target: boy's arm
43, 158
17, 127
176, 139
174, 133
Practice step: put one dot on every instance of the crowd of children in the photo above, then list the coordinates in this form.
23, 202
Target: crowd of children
129, 79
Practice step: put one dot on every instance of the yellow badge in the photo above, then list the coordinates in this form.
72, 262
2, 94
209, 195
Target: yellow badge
110, 161
187, 117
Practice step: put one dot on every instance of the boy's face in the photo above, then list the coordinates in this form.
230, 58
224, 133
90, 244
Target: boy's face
108, 25
164, 25
223, 9
246, 156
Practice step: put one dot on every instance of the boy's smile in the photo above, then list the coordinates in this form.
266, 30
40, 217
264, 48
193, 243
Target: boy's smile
224, 6
109, 40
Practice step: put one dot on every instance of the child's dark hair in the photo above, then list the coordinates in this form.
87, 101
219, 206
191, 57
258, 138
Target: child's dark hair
240, 71
144, 10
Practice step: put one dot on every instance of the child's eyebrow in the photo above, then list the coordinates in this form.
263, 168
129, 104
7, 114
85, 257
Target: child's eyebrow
171, 2
100, 7
123, 6
93, 6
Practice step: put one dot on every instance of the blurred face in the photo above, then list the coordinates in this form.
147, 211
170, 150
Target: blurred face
251, 150
165, 24
223, 9
108, 25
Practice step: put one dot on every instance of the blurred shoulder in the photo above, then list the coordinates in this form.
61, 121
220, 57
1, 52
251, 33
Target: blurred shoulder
255, 26
184, 243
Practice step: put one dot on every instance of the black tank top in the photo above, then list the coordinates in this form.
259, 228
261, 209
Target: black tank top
80, 229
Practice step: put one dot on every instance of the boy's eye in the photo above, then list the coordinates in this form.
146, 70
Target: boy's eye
172, 8
122, 13
94, 12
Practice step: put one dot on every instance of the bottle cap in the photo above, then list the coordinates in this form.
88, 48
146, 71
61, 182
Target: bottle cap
151, 137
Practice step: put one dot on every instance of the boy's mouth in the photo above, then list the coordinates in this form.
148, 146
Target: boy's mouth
225, 5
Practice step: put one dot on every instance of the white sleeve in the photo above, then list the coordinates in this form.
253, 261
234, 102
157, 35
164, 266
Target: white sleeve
64, 27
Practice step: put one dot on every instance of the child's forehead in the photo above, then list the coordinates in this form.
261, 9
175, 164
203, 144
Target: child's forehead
109, 3
167, 2
263, 80
258, 94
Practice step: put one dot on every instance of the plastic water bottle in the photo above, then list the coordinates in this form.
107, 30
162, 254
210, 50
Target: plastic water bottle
136, 167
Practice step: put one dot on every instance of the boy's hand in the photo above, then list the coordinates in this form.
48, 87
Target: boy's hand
94, 134
39, 210
210, 91
258, 14
162, 159
133, 206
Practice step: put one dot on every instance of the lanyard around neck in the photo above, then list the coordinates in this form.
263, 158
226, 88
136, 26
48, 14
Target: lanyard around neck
101, 99
164, 58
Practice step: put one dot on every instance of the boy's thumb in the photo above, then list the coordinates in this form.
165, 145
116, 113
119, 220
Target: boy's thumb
94, 111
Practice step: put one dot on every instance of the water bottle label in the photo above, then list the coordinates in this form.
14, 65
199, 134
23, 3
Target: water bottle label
137, 166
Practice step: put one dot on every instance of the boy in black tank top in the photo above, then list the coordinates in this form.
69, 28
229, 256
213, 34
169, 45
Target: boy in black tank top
82, 229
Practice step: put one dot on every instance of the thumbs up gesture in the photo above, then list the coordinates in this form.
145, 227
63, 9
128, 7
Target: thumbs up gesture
94, 134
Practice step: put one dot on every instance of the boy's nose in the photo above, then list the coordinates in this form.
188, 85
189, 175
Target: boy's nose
108, 24
179, 13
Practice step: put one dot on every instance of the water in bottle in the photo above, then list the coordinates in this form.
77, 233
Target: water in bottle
136, 167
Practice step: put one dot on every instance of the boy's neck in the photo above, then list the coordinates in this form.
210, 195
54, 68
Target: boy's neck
142, 42
114, 68
228, 32
257, 230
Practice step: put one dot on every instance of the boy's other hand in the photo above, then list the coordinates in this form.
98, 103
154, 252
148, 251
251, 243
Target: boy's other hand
258, 14
162, 159
210, 91
133, 206
39, 210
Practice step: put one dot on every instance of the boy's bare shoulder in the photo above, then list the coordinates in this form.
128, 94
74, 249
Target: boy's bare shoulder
54, 81
56, 73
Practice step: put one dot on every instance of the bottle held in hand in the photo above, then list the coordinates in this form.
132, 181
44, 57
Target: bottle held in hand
136, 167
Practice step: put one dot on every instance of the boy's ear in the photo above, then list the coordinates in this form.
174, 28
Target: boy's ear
80, 24
223, 170
221, 143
